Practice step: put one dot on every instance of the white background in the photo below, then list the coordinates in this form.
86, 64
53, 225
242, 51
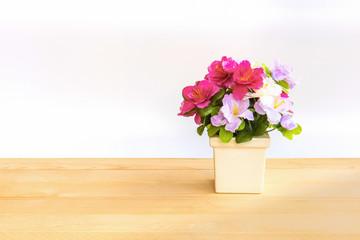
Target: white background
104, 78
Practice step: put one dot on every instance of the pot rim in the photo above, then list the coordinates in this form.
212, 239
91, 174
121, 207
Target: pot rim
262, 141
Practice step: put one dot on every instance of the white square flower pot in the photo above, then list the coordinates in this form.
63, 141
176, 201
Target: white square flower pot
240, 167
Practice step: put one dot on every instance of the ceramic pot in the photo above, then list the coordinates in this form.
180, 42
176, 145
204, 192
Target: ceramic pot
240, 167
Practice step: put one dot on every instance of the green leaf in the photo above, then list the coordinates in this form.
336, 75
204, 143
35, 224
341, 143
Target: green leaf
218, 95
297, 130
284, 84
244, 136
272, 126
200, 129
189, 113
207, 120
261, 125
212, 130
286, 133
215, 111
225, 136
204, 111
242, 126
289, 134
266, 70
285, 90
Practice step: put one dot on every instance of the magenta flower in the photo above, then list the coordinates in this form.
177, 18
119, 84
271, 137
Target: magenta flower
220, 72
200, 94
246, 77
229, 64
197, 96
187, 109
284, 95
197, 119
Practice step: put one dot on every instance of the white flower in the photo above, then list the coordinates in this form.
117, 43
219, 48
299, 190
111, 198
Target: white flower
273, 107
270, 88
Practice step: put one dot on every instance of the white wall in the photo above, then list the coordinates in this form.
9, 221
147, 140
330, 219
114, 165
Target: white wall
104, 78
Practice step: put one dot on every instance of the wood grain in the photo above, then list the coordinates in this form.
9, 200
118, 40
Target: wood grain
238, 223
273, 176
106, 163
210, 204
166, 163
111, 189
175, 236
175, 199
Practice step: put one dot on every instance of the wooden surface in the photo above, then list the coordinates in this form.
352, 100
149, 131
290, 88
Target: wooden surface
174, 199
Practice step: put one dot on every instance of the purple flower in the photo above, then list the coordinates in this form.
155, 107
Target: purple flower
230, 113
219, 120
287, 122
283, 72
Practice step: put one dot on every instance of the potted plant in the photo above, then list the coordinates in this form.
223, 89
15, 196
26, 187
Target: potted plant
239, 104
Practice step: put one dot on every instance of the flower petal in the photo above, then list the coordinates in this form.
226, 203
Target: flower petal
259, 109
267, 102
213, 90
273, 116
203, 104
280, 71
187, 91
197, 119
284, 95
292, 81
285, 106
287, 122
226, 111
239, 91
242, 105
232, 126
247, 114
218, 120
245, 66
186, 106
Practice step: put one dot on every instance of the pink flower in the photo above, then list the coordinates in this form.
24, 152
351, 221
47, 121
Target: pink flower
220, 72
246, 77
197, 96
200, 93
187, 109
284, 95
197, 119
229, 64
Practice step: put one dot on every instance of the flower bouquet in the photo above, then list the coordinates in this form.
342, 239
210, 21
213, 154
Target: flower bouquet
242, 101
239, 104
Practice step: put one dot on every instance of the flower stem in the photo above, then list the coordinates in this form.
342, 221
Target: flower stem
271, 130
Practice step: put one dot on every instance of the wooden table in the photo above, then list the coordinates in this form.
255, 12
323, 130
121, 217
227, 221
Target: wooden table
174, 199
